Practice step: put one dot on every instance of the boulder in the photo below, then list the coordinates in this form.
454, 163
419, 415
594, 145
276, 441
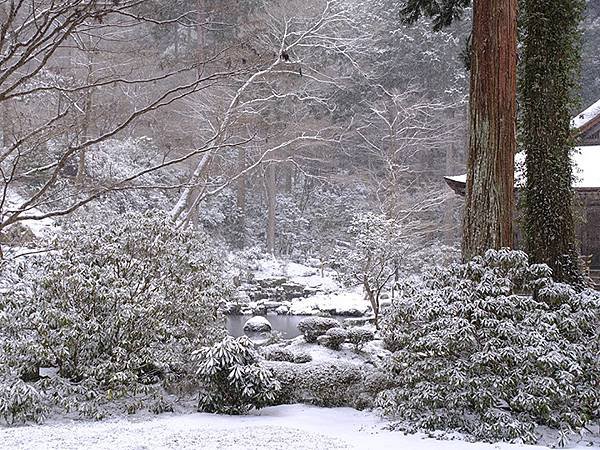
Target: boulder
283, 310
258, 324
270, 305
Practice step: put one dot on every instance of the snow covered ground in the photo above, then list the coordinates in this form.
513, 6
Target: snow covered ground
290, 427
297, 273
39, 228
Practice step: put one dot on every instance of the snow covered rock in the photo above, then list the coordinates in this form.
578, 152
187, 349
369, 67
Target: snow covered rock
258, 324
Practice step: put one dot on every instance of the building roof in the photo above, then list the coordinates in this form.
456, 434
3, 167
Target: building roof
586, 161
587, 118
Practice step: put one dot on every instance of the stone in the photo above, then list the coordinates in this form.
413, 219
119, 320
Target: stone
270, 305
283, 310
258, 324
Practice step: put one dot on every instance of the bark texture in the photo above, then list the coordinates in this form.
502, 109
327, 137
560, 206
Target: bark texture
488, 220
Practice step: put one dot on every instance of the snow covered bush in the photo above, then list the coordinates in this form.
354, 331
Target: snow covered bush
233, 381
493, 348
20, 402
119, 303
359, 337
334, 338
318, 383
285, 354
313, 327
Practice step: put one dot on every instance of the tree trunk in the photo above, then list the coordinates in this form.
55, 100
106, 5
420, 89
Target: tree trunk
548, 89
489, 201
271, 206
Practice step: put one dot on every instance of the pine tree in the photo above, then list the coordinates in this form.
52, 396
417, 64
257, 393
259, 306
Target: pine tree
490, 167
549, 78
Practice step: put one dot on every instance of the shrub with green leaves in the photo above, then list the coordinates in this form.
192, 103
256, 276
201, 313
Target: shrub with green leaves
119, 304
276, 353
359, 337
313, 327
335, 337
233, 380
21, 402
493, 348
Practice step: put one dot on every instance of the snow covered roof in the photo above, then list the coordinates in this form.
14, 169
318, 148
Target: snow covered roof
586, 168
581, 120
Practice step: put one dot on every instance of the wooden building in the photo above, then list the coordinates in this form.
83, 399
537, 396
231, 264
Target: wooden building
586, 159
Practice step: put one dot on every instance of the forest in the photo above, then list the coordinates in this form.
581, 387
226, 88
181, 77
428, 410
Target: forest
240, 220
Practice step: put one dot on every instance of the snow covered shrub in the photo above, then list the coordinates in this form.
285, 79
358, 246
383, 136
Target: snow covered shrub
318, 383
278, 354
233, 380
493, 348
285, 354
119, 303
20, 402
335, 337
359, 337
313, 327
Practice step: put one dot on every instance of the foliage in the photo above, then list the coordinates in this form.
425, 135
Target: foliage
374, 256
359, 337
493, 348
118, 304
335, 337
20, 402
549, 82
313, 327
321, 384
233, 380
443, 13
276, 353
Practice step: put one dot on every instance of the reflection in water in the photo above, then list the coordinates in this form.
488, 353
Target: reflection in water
286, 325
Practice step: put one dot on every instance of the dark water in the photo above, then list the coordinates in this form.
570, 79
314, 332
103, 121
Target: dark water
286, 325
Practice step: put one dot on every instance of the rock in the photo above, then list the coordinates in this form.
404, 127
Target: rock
270, 305
257, 324
283, 310
292, 290
259, 310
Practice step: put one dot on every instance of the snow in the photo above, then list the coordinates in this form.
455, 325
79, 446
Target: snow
586, 161
310, 277
342, 302
257, 323
587, 172
584, 117
39, 228
287, 426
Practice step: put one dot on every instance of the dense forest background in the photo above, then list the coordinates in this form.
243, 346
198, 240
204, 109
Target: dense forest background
267, 123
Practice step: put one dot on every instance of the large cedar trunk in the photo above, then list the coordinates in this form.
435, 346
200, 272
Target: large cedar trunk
492, 136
